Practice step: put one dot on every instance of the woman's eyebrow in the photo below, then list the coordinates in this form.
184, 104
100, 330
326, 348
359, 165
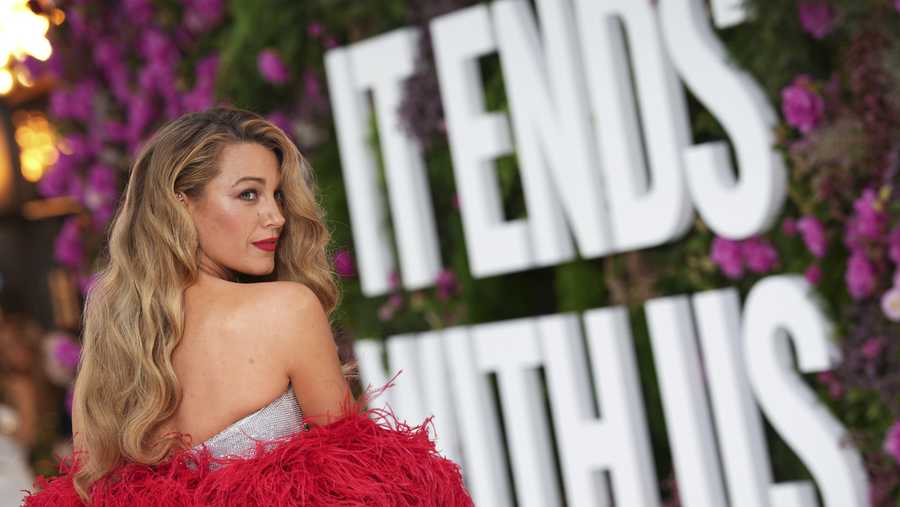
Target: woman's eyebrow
253, 178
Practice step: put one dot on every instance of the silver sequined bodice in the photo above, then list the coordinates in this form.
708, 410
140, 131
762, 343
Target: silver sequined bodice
281, 418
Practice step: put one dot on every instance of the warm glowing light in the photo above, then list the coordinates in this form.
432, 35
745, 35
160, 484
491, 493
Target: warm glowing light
23, 78
37, 144
6, 81
22, 33
57, 17
6, 169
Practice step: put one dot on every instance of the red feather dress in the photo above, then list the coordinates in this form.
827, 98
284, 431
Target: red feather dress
367, 458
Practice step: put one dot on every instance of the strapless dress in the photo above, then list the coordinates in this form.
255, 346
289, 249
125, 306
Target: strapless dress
280, 418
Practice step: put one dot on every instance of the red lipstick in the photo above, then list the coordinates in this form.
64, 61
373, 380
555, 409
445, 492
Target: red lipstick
267, 244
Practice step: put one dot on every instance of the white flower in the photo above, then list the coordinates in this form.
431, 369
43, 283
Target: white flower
890, 304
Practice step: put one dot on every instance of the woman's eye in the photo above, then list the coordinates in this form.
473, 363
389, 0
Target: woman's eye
245, 192
279, 195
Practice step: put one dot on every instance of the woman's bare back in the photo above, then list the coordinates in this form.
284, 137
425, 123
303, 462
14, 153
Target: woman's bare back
225, 362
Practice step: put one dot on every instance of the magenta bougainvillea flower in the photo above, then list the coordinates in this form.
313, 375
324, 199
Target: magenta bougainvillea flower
68, 247
447, 284
872, 347
860, 275
271, 67
870, 216
892, 441
802, 106
726, 254
759, 255
343, 263
202, 15
817, 17
813, 233
67, 352
733, 257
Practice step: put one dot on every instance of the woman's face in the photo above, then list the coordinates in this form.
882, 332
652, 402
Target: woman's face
241, 206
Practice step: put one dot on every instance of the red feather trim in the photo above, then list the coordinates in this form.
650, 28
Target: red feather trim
368, 457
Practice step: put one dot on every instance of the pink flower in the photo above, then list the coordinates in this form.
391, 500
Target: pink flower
141, 112
207, 70
343, 263
813, 274
314, 29
67, 352
120, 81
801, 105
61, 178
198, 99
892, 441
813, 233
829, 380
869, 218
890, 304
138, 12
872, 348
390, 307
203, 15
897, 5
68, 247
759, 254
271, 67
817, 17
101, 193
157, 47
394, 280
860, 275
726, 254
76, 103
107, 52
447, 284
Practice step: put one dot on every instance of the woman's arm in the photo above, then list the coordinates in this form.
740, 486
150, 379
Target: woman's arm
310, 355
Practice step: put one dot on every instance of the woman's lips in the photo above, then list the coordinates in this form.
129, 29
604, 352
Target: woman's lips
267, 245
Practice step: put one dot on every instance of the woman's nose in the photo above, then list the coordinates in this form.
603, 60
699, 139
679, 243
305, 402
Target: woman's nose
273, 217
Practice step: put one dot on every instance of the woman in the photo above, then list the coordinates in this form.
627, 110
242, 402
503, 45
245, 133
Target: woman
207, 349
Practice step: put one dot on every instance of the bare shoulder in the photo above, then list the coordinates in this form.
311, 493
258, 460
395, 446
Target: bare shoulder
286, 306
302, 338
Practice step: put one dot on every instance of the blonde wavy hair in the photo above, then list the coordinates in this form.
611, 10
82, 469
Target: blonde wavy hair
126, 386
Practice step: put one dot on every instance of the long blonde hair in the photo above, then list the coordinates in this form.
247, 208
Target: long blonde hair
126, 386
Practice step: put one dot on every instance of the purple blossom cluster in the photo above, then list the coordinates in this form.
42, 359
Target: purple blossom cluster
734, 258
817, 17
344, 263
69, 247
272, 68
892, 441
802, 105
421, 112
864, 236
127, 78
